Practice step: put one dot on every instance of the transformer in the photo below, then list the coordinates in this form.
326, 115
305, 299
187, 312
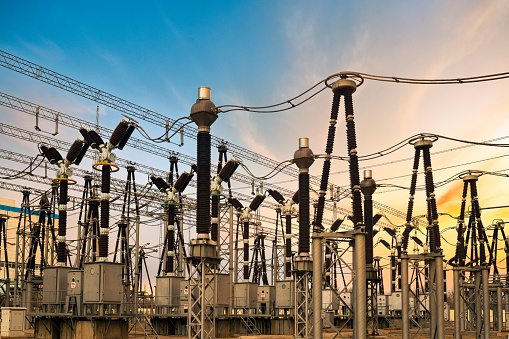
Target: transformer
285, 294
54, 290
245, 295
102, 283
168, 292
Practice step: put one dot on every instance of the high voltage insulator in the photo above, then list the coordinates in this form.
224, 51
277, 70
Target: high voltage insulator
106, 162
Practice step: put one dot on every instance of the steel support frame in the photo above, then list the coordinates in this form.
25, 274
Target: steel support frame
202, 292
303, 305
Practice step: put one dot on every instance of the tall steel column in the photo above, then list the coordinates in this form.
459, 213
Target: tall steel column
439, 266
405, 298
203, 256
457, 307
304, 158
486, 301
500, 300
317, 288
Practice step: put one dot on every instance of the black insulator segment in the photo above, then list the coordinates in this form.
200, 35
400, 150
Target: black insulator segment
276, 195
47, 154
368, 222
332, 127
62, 220
126, 137
304, 224
257, 201
406, 234
170, 244
235, 203
390, 231
97, 139
376, 218
88, 138
417, 241
56, 155
203, 183
228, 170
118, 133
105, 211
385, 243
295, 197
214, 230
162, 183
336, 224
74, 151
156, 182
288, 247
82, 153
245, 236
183, 180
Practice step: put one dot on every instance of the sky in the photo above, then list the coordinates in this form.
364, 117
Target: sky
257, 53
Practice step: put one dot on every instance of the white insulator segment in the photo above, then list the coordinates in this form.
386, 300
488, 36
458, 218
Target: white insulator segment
62, 207
214, 220
349, 118
333, 122
327, 274
246, 241
170, 274
102, 259
171, 253
60, 264
170, 227
105, 196
246, 263
288, 259
288, 236
104, 231
328, 256
61, 238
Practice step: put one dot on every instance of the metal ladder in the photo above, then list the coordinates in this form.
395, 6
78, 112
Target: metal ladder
145, 325
250, 325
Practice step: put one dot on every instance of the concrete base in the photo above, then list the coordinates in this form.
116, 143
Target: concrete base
59, 328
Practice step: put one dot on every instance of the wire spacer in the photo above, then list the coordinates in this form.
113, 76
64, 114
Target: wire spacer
96, 166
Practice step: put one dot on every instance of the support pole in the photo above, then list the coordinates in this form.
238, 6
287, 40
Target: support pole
457, 307
486, 302
232, 259
405, 296
317, 287
440, 296
500, 317
360, 285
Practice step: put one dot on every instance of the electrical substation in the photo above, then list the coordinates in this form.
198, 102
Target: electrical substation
273, 262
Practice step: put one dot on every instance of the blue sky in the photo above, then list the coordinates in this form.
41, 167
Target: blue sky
261, 52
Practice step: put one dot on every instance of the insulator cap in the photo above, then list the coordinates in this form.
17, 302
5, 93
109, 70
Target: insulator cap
235, 203
276, 195
183, 180
257, 201
336, 224
203, 112
74, 151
